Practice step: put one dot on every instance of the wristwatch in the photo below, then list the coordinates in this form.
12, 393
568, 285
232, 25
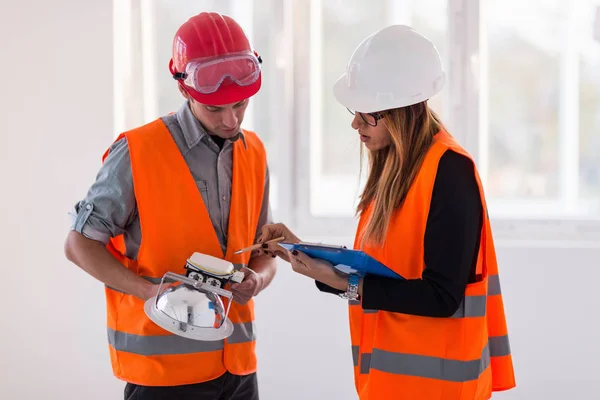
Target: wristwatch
352, 292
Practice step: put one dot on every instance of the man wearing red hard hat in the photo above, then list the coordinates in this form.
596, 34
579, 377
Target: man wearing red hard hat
191, 181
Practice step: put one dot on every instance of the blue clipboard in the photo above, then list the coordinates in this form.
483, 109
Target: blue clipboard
343, 259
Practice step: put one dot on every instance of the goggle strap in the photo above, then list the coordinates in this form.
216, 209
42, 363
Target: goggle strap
176, 75
180, 76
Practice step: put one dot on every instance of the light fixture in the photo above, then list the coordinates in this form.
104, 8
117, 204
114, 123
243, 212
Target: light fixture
192, 306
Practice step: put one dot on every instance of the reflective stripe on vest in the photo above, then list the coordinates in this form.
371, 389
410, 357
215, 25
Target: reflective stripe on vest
173, 344
470, 306
429, 367
494, 285
425, 366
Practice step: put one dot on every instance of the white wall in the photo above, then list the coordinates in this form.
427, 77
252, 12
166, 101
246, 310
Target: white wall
56, 108
57, 120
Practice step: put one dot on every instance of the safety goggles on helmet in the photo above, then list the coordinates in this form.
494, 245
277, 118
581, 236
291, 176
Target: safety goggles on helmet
205, 75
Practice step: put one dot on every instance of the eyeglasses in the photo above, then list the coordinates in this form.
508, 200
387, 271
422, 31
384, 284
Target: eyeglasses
369, 118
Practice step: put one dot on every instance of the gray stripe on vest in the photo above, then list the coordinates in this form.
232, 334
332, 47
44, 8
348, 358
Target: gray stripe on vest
494, 285
242, 333
486, 358
430, 367
365, 363
355, 350
471, 306
238, 267
499, 346
357, 303
160, 345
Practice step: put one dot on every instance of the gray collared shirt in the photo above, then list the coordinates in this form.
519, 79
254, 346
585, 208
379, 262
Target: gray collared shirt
110, 209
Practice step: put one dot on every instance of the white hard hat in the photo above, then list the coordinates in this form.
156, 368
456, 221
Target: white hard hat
392, 68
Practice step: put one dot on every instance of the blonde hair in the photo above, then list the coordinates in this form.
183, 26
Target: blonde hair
393, 169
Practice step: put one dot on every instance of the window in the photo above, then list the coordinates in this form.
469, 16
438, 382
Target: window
523, 96
543, 108
336, 28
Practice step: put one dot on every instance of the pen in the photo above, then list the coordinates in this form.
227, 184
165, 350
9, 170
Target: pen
259, 245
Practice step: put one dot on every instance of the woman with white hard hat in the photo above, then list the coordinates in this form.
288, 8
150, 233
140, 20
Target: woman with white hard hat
441, 332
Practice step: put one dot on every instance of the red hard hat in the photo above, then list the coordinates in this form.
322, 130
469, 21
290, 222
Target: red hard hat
213, 60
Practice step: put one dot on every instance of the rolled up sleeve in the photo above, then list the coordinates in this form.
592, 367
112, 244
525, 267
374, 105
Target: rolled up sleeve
109, 205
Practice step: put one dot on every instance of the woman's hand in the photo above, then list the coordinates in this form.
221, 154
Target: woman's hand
319, 270
272, 231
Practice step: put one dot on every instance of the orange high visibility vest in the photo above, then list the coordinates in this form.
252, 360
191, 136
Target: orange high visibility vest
175, 224
401, 356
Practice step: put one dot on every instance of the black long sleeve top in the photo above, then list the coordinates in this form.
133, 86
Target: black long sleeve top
451, 246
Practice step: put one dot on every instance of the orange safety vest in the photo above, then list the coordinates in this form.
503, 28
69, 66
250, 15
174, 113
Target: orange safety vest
401, 356
175, 224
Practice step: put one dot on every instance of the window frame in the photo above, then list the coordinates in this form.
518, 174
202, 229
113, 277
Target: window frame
467, 87
466, 110
467, 92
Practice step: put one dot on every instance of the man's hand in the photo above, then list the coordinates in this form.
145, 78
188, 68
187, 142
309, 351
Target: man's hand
248, 288
151, 290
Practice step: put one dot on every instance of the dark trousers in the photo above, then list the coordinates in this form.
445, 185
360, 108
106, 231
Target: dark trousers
225, 387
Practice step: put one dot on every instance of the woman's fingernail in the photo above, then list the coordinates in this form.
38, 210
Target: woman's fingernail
295, 252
